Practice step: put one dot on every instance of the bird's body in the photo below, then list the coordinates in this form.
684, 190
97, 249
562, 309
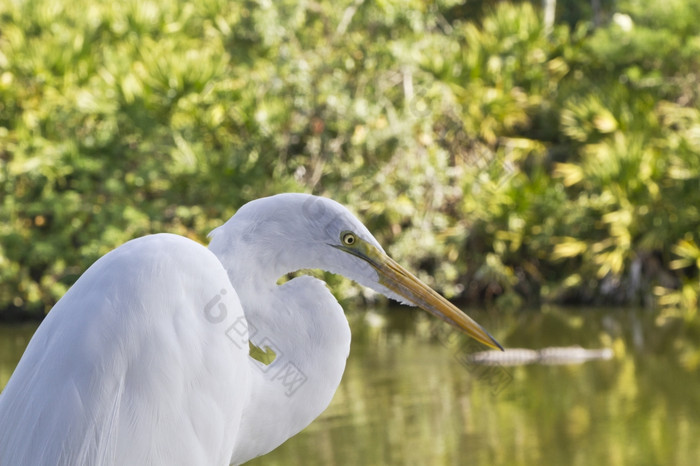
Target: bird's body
114, 378
145, 360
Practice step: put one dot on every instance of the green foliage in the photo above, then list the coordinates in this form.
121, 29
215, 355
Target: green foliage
504, 162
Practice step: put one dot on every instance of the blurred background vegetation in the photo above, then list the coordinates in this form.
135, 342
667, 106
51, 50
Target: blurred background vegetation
507, 160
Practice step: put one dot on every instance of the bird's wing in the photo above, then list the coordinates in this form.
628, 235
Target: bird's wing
141, 362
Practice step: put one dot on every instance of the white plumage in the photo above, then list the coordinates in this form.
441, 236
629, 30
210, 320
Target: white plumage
145, 360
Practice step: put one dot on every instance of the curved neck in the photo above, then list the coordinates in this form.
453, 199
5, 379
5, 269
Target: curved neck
306, 328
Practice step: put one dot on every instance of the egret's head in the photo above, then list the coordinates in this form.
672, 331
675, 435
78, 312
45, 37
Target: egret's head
289, 232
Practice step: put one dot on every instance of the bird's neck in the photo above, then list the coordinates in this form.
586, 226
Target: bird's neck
306, 328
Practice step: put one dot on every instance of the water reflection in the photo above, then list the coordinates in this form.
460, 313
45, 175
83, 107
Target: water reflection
408, 398
13, 339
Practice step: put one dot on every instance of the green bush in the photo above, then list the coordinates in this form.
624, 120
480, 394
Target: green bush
504, 162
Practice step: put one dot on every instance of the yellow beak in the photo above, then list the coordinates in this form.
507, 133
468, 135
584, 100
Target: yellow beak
404, 283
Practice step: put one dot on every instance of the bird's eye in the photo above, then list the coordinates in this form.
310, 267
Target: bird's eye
348, 238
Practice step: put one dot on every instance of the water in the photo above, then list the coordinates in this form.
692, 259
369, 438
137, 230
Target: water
408, 397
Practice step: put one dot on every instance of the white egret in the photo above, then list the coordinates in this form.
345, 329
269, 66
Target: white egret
145, 360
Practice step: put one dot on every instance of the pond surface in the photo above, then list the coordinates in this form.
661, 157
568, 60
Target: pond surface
409, 397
